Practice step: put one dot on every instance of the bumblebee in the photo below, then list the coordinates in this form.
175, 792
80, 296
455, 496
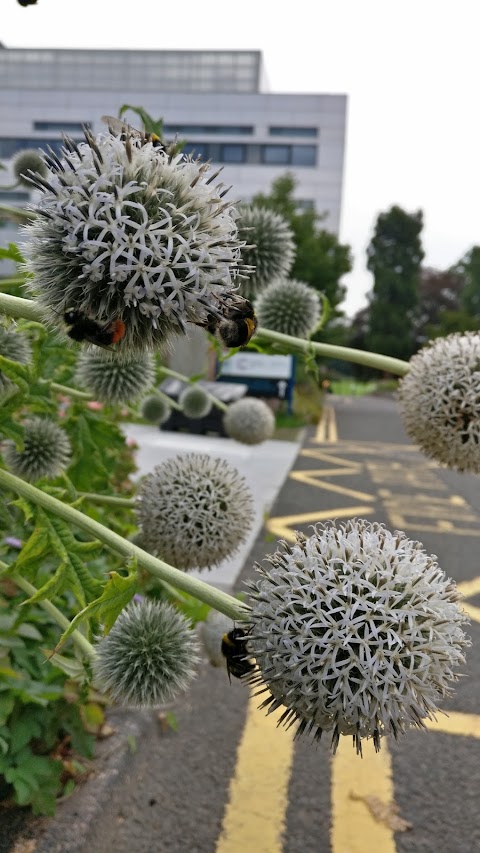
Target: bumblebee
236, 325
84, 329
236, 654
117, 126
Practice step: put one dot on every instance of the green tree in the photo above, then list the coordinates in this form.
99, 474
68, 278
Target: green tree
469, 269
394, 257
320, 260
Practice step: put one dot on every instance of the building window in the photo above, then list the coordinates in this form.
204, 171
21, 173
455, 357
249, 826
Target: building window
62, 126
232, 153
10, 146
14, 195
293, 131
196, 149
276, 154
304, 155
304, 204
213, 129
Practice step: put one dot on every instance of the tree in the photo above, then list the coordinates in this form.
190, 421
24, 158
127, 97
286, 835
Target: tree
394, 257
439, 302
320, 260
469, 269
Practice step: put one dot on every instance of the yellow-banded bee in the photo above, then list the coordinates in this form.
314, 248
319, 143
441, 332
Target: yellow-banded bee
236, 325
235, 651
117, 126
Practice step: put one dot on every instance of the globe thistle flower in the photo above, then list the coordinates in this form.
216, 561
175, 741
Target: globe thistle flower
15, 346
195, 402
269, 249
290, 307
212, 631
28, 161
46, 451
440, 400
194, 511
249, 421
114, 381
129, 231
356, 631
148, 657
155, 409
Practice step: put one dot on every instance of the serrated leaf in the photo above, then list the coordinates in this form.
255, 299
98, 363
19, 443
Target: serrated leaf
51, 587
34, 550
70, 666
118, 591
12, 253
18, 373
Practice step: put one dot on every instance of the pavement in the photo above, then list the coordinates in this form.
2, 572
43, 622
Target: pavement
264, 466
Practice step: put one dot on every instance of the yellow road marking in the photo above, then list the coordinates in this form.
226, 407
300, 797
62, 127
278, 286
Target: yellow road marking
254, 819
354, 779
469, 589
311, 478
281, 526
456, 723
327, 427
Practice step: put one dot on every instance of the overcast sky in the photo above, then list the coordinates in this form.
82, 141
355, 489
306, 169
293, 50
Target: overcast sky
410, 70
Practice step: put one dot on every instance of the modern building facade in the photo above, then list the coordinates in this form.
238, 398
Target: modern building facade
215, 100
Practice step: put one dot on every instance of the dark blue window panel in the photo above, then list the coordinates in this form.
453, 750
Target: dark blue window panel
293, 131
304, 155
10, 146
62, 126
231, 153
196, 149
214, 129
14, 195
276, 155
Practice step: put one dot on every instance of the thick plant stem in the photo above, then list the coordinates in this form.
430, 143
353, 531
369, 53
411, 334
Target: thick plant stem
20, 308
16, 214
69, 392
368, 359
215, 598
80, 641
6, 283
108, 500
173, 373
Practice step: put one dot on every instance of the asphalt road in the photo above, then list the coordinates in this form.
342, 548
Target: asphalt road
226, 782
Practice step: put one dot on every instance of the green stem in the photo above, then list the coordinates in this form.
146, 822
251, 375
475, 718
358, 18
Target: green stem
368, 359
214, 597
169, 400
16, 214
80, 641
173, 373
69, 392
17, 307
108, 500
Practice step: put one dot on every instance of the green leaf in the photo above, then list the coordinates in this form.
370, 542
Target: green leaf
70, 666
116, 594
149, 124
12, 253
18, 373
34, 550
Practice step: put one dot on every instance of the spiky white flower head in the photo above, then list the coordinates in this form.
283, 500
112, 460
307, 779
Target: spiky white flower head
129, 231
25, 161
194, 511
212, 631
269, 249
290, 307
111, 380
14, 346
148, 657
46, 450
195, 402
356, 631
440, 400
249, 421
155, 409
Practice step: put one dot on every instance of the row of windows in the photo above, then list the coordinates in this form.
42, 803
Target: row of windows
186, 129
231, 152
269, 155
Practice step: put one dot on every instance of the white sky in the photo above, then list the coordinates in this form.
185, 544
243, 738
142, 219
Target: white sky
410, 70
